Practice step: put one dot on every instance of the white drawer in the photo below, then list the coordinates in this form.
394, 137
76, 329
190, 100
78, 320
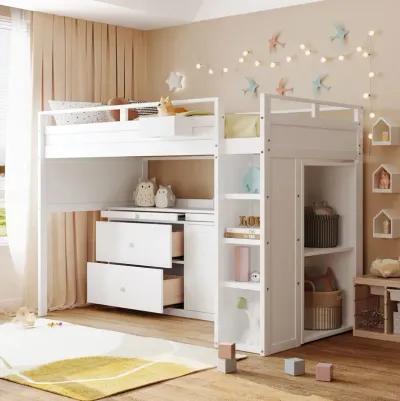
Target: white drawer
138, 243
132, 287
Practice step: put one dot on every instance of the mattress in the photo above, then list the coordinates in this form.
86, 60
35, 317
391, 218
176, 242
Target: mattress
242, 125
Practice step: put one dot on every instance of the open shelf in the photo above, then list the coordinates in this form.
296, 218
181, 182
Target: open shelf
243, 285
385, 133
386, 179
240, 241
386, 224
242, 196
313, 335
326, 251
242, 146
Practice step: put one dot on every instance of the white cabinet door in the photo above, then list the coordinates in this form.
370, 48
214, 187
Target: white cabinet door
200, 278
134, 243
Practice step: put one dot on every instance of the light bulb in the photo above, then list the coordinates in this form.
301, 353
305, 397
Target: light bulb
272, 64
225, 69
210, 71
241, 60
341, 57
198, 66
370, 136
257, 63
366, 95
323, 60
366, 54
359, 49
288, 59
371, 74
307, 52
371, 115
302, 46
371, 33
245, 53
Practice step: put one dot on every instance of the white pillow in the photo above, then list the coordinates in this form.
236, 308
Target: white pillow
77, 118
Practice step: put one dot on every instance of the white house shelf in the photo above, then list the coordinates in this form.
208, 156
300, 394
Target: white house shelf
385, 132
393, 173
386, 224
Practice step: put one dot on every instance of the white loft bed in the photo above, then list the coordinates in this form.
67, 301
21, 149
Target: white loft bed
303, 156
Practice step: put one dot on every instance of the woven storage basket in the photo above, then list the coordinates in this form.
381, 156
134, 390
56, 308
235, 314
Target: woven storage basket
322, 310
320, 231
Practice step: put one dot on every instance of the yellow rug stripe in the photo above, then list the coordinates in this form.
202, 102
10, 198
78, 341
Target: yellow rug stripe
92, 378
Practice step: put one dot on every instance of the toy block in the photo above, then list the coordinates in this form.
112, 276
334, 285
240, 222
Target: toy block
226, 365
294, 366
324, 372
226, 350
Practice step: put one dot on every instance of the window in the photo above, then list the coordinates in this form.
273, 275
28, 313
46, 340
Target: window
4, 69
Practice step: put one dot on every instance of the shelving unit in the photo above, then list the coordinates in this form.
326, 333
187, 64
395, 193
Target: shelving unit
243, 196
386, 224
385, 133
242, 241
243, 285
393, 181
308, 252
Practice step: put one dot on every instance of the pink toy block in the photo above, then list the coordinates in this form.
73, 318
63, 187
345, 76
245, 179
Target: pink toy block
227, 351
242, 263
324, 372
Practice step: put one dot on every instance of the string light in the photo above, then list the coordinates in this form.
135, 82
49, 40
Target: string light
289, 59
371, 115
272, 64
366, 95
359, 49
198, 66
210, 71
341, 57
366, 54
371, 74
302, 46
307, 52
371, 33
370, 136
241, 60
245, 53
257, 63
225, 69
323, 60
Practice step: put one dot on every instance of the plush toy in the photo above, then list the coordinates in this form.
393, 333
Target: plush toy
255, 277
385, 268
25, 318
384, 180
165, 197
114, 114
323, 209
166, 108
144, 194
251, 180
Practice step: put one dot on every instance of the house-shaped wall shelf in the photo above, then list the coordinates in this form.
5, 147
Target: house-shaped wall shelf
385, 132
386, 179
386, 224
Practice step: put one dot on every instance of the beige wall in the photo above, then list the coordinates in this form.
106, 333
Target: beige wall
220, 42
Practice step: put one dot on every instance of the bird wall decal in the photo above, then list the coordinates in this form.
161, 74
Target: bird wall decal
274, 42
281, 89
318, 84
341, 33
251, 88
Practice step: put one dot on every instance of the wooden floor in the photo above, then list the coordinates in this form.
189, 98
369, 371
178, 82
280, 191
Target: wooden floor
365, 370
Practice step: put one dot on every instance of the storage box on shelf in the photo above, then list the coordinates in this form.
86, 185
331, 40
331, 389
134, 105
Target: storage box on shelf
386, 224
385, 132
386, 179
376, 307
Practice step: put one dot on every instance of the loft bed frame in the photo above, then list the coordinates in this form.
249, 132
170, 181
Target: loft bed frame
95, 167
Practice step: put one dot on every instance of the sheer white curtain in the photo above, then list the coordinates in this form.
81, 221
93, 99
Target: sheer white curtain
20, 155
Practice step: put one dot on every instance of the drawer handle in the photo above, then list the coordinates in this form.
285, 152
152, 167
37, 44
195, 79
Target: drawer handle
122, 289
131, 245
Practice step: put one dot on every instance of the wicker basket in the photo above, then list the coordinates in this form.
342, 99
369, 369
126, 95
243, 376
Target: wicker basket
320, 231
322, 310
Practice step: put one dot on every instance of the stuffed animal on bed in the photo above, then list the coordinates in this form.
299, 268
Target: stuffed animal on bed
144, 195
165, 197
166, 108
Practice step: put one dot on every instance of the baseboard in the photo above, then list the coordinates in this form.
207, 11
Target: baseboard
10, 304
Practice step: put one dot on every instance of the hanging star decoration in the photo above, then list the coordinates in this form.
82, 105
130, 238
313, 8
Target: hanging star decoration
341, 33
174, 81
251, 88
274, 42
281, 90
318, 84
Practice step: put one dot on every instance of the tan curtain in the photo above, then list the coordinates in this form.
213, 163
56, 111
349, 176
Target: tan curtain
82, 61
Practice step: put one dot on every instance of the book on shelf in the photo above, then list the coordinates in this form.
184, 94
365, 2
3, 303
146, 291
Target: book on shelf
242, 232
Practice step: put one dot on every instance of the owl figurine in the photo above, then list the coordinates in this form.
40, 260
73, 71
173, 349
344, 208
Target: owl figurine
144, 195
165, 197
